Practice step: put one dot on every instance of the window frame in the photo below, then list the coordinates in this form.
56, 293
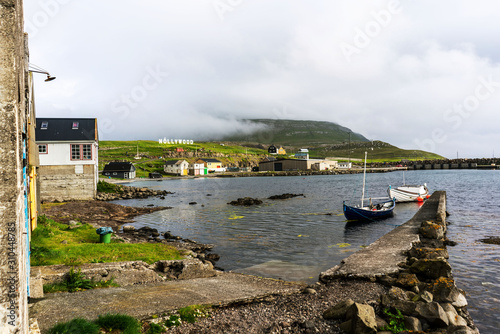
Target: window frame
80, 154
46, 148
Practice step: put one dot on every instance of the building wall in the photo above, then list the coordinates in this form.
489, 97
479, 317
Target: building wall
60, 154
13, 229
285, 165
63, 183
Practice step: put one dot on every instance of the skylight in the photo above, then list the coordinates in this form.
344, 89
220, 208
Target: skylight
44, 125
75, 125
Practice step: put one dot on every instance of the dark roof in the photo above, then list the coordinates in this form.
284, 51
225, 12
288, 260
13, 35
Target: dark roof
211, 160
171, 162
119, 167
62, 129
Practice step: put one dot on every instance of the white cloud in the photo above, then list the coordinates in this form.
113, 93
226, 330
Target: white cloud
280, 59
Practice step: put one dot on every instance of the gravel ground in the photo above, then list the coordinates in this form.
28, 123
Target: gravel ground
297, 313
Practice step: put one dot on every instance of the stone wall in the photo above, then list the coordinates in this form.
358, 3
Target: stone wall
13, 71
66, 183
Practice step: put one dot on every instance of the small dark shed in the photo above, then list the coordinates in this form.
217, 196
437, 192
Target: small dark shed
121, 170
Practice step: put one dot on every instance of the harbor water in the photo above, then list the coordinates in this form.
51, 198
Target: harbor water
297, 238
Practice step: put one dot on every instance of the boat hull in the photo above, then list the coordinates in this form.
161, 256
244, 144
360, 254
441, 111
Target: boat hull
367, 214
408, 193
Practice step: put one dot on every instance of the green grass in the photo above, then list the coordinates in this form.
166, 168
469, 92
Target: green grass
54, 243
124, 323
155, 152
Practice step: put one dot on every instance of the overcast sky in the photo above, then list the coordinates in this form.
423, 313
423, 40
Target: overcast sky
417, 74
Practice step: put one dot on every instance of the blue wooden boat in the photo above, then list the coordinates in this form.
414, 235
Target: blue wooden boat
372, 211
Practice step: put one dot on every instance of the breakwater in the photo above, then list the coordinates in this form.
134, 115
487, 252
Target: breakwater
412, 261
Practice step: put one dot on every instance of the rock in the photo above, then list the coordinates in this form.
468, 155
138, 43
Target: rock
308, 324
309, 291
128, 228
412, 324
339, 310
396, 293
491, 240
433, 313
432, 230
381, 323
362, 319
426, 296
431, 268
405, 306
168, 235
445, 291
407, 280
193, 203
284, 196
64, 242
212, 257
453, 317
428, 253
246, 201
185, 269
73, 223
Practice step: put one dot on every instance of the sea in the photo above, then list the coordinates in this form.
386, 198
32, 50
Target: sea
298, 238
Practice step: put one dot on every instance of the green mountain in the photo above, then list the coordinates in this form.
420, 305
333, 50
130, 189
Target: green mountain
323, 139
296, 133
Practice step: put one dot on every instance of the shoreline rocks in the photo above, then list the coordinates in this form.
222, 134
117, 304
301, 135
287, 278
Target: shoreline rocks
423, 293
129, 192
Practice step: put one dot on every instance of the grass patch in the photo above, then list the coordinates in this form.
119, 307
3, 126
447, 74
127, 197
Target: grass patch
75, 326
55, 243
125, 323
105, 187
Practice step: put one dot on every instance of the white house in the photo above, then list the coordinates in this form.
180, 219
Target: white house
176, 167
197, 168
344, 165
68, 154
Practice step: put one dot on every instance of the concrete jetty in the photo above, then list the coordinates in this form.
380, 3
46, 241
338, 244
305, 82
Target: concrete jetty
383, 257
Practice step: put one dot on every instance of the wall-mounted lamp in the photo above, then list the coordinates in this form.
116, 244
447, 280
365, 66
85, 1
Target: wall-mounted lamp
36, 69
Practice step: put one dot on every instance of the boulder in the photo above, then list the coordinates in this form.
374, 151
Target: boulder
407, 280
431, 268
453, 318
432, 230
246, 201
412, 324
362, 319
185, 269
433, 313
445, 291
339, 310
428, 253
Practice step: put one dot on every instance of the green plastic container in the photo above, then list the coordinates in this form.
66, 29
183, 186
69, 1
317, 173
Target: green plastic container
105, 238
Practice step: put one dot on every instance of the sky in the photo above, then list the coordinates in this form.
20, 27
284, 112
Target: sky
419, 75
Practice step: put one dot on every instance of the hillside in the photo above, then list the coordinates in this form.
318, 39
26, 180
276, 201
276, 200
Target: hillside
296, 133
324, 139
151, 155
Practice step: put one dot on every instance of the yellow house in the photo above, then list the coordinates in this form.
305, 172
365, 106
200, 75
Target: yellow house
212, 165
281, 151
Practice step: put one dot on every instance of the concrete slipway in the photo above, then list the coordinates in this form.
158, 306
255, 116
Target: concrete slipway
143, 301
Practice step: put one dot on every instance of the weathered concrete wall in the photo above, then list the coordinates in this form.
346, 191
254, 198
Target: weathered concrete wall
13, 269
64, 183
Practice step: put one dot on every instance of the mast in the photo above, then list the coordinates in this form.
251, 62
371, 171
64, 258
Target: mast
364, 180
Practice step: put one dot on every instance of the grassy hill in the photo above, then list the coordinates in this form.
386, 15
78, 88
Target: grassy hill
152, 155
296, 133
323, 139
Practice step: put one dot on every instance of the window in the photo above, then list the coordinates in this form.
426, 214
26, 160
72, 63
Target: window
81, 152
42, 149
75, 125
44, 125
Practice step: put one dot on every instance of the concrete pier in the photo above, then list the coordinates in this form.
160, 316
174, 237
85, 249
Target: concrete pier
382, 258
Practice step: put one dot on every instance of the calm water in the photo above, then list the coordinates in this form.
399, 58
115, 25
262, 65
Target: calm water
298, 238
